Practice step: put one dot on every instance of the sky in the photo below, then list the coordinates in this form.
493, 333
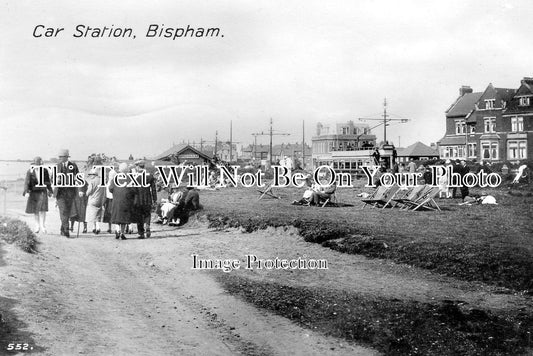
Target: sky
297, 62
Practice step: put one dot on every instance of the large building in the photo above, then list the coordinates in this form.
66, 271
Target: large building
345, 147
493, 125
258, 154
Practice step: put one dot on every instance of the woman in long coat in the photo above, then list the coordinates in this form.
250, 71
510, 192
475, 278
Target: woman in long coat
96, 196
79, 207
123, 198
37, 196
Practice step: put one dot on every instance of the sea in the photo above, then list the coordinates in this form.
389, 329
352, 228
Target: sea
13, 170
16, 170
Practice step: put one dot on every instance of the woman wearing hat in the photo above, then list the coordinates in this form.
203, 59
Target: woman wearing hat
108, 204
79, 206
37, 196
96, 196
123, 197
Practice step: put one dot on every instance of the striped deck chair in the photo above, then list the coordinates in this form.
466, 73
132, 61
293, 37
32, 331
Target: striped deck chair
402, 193
412, 195
426, 200
378, 195
331, 201
387, 197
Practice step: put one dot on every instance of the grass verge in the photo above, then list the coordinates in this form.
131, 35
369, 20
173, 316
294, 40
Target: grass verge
389, 325
477, 243
17, 232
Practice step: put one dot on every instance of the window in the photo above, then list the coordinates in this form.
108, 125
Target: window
460, 128
472, 150
517, 124
517, 149
345, 130
460, 151
453, 151
489, 150
524, 101
472, 129
445, 152
490, 124
489, 104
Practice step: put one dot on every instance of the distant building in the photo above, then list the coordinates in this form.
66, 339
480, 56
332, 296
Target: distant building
345, 147
416, 151
222, 150
493, 125
259, 153
184, 153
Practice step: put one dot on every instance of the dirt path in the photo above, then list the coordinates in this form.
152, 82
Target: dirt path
96, 295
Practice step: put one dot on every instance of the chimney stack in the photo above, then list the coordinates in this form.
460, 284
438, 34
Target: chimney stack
464, 90
527, 80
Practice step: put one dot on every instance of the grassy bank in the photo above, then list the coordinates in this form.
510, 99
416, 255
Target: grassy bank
483, 243
17, 232
13, 231
391, 326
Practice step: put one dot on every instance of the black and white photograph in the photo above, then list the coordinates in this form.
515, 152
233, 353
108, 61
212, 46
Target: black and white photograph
230, 177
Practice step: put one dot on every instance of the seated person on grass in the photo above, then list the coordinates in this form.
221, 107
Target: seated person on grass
322, 194
307, 198
189, 201
165, 210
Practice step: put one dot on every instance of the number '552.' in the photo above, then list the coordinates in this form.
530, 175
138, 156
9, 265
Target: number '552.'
18, 347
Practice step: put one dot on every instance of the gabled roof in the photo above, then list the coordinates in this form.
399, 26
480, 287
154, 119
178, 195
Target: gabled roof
526, 89
505, 94
463, 105
499, 94
417, 149
170, 151
179, 148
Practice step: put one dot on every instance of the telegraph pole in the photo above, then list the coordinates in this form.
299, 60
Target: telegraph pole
270, 133
386, 120
216, 142
255, 143
270, 149
303, 144
231, 141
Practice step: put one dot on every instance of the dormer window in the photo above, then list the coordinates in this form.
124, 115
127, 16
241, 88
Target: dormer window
489, 104
524, 101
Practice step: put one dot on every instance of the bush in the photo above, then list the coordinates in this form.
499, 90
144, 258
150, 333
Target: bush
14, 231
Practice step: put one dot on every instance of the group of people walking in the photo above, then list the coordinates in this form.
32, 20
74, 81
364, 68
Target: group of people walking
119, 205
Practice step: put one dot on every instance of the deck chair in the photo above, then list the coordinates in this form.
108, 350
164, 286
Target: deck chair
331, 201
268, 191
412, 194
377, 195
392, 193
426, 200
402, 193
386, 197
